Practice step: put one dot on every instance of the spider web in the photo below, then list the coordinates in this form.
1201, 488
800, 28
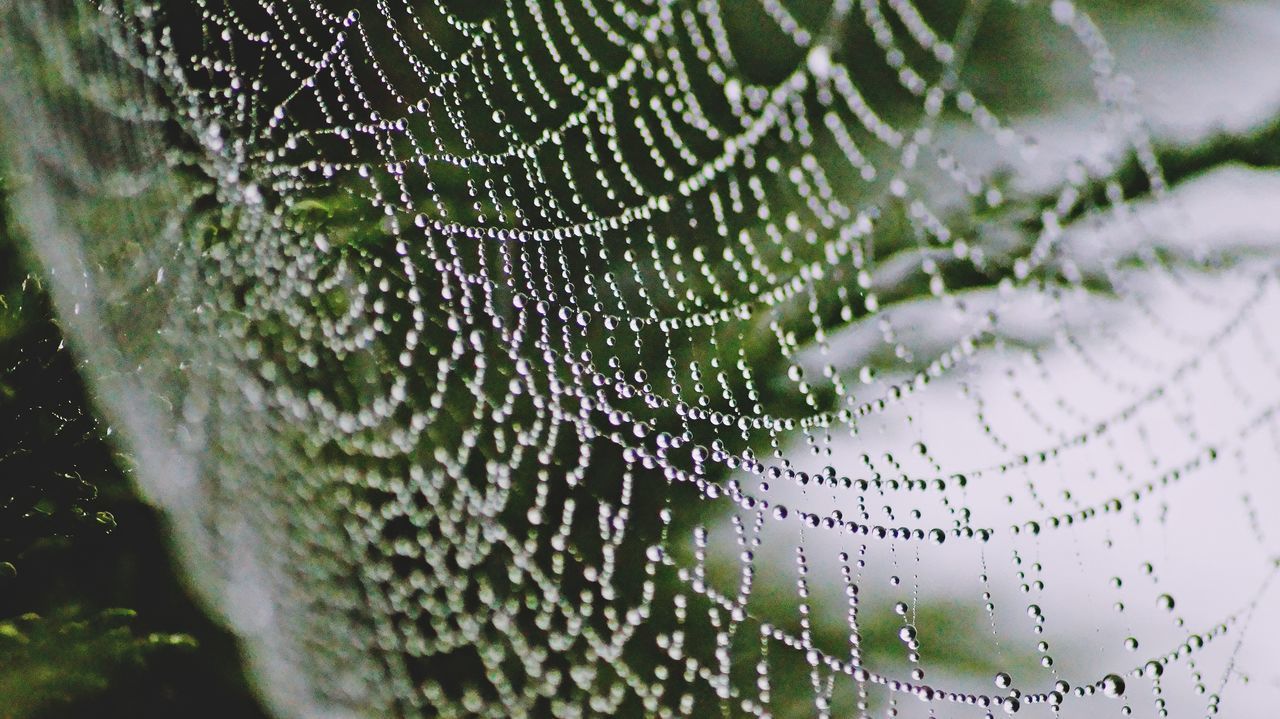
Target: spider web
662, 358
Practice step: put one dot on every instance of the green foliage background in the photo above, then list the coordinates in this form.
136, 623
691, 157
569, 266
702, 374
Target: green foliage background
94, 621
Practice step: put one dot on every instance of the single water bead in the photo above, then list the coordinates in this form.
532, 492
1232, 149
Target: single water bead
1111, 685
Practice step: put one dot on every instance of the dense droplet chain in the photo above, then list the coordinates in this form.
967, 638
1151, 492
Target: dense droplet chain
579, 269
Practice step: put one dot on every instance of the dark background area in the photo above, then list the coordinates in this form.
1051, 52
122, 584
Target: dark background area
94, 621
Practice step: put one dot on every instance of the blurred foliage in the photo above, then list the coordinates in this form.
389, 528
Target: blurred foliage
51, 663
76, 544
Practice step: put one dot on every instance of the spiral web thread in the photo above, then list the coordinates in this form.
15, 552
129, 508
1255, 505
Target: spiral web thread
652, 358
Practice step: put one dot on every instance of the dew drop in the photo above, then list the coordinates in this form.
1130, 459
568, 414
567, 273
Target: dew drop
1112, 685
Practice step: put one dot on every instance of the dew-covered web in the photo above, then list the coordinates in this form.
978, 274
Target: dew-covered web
657, 358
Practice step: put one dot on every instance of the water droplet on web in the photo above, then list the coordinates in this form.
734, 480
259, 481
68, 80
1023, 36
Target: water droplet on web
819, 61
1112, 685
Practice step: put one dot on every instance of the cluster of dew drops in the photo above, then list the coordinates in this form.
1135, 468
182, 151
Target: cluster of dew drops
733, 223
